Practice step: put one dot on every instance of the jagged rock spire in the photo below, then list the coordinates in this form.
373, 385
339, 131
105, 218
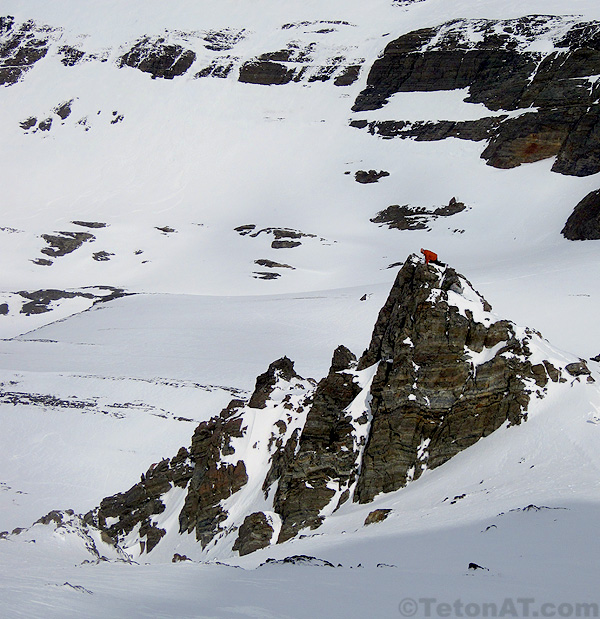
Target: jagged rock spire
441, 372
449, 373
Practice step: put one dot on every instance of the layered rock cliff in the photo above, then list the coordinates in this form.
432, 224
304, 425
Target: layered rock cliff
441, 372
542, 70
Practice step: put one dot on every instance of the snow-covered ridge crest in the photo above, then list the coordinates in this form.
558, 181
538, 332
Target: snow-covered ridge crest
442, 371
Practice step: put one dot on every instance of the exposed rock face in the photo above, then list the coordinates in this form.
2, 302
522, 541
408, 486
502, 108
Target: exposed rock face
255, 533
422, 131
71, 55
430, 398
377, 515
296, 62
39, 301
266, 72
159, 58
63, 243
265, 383
21, 46
372, 176
212, 481
584, 222
271, 264
102, 256
283, 238
325, 460
440, 373
415, 217
141, 502
502, 69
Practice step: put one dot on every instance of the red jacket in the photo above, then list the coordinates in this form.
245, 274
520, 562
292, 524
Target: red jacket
429, 255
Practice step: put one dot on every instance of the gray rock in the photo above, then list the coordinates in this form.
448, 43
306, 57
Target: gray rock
348, 76
325, 452
500, 71
304, 560
64, 243
265, 383
71, 56
155, 56
254, 534
372, 176
271, 264
584, 222
102, 256
579, 368
89, 224
415, 217
21, 46
377, 515
39, 300
428, 403
265, 275
266, 72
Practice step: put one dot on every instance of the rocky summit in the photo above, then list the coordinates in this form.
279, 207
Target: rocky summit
441, 372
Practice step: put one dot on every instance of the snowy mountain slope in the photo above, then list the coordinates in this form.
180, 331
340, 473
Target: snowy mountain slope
172, 167
501, 486
524, 496
294, 456
266, 173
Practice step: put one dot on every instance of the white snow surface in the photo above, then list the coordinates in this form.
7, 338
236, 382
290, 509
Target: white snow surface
135, 375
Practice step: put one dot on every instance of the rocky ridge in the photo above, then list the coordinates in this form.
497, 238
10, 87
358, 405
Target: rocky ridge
541, 69
306, 56
441, 372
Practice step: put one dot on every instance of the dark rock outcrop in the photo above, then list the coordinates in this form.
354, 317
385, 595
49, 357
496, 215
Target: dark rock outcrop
141, 502
63, 243
348, 76
303, 560
415, 217
500, 70
296, 62
212, 480
265, 383
158, 58
433, 131
63, 110
440, 373
70, 55
325, 459
372, 176
584, 222
220, 68
271, 264
530, 137
254, 534
429, 399
200, 470
102, 256
282, 237
39, 300
266, 72
578, 368
89, 224
21, 46
377, 515
265, 275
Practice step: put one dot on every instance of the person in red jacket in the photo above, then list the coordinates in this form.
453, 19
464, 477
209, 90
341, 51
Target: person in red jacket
431, 256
